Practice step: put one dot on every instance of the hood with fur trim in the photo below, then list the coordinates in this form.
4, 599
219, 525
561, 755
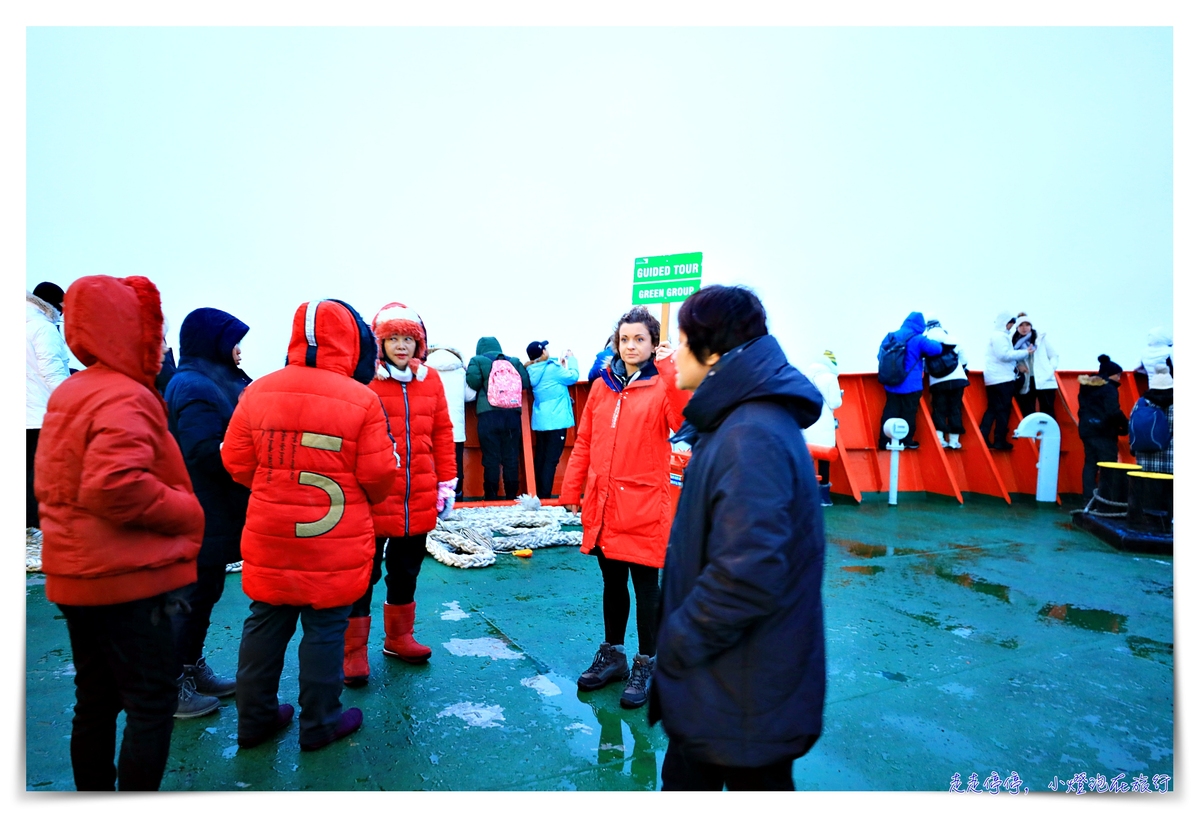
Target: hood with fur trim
44, 307
116, 322
399, 319
445, 359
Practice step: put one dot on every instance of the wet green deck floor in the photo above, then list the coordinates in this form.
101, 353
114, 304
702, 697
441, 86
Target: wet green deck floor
959, 639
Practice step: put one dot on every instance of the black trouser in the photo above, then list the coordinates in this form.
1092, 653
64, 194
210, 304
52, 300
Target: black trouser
124, 657
265, 638
192, 627
947, 408
900, 406
31, 504
681, 772
823, 470
1000, 398
547, 451
1096, 450
500, 445
404, 558
1036, 400
616, 575
458, 464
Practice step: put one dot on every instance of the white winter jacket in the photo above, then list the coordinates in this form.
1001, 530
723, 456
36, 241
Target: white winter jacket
1045, 359
1158, 349
940, 335
1000, 363
823, 375
46, 358
453, 371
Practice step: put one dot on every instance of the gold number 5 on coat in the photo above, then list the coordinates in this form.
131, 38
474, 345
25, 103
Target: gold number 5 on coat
337, 498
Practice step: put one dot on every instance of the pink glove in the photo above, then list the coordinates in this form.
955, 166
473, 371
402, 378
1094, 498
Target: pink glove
445, 496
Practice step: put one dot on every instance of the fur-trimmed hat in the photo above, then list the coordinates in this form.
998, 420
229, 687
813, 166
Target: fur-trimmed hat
1161, 379
399, 319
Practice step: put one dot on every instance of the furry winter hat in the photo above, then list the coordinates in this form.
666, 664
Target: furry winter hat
51, 293
399, 319
1161, 379
1108, 367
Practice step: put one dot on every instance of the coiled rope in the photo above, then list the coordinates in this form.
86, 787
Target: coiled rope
1096, 498
471, 537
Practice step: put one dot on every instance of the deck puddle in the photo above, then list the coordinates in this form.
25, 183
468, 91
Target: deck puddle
868, 551
1091, 619
991, 589
1151, 649
863, 569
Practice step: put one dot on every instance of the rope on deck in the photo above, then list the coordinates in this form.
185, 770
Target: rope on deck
471, 537
1096, 498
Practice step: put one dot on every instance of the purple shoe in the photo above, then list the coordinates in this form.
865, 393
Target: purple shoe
283, 717
350, 721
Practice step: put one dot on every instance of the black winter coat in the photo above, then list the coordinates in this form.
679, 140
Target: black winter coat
200, 399
740, 673
1100, 412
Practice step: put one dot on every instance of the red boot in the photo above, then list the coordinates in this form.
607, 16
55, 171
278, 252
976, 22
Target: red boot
398, 634
355, 668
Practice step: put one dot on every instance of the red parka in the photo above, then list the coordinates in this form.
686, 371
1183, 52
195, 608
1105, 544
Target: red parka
312, 445
119, 519
621, 463
419, 421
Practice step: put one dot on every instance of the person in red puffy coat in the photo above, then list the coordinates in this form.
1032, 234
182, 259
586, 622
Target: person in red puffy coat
415, 403
621, 464
121, 529
313, 446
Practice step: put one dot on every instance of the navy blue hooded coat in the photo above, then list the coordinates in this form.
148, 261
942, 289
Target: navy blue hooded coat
200, 401
740, 673
918, 345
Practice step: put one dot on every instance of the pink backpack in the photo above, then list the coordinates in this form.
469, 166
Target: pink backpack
504, 386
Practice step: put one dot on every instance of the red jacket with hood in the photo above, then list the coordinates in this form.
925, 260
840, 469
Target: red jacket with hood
621, 462
119, 519
312, 445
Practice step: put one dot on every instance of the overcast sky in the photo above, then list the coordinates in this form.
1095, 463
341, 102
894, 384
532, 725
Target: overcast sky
502, 181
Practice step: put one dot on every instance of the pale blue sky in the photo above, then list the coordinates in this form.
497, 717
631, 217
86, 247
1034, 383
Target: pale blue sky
502, 181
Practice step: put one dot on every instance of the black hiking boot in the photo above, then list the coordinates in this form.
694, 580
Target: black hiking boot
208, 683
609, 665
638, 689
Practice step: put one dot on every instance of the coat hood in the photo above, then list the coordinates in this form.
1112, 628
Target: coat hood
116, 322
44, 307
331, 335
1002, 321
210, 334
445, 359
757, 370
488, 345
914, 324
1159, 337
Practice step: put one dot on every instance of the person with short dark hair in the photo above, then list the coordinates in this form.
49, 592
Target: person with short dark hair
622, 457
47, 365
121, 527
740, 680
553, 410
1101, 420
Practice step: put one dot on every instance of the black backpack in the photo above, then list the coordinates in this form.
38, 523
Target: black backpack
892, 353
942, 364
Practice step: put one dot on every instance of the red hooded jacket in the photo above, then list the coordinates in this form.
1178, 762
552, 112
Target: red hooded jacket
420, 422
119, 519
312, 445
621, 462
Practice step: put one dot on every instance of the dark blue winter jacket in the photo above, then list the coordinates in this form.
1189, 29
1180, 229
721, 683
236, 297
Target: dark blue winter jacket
919, 344
602, 358
740, 674
200, 401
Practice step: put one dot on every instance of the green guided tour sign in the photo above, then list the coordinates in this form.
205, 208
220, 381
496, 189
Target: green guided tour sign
664, 279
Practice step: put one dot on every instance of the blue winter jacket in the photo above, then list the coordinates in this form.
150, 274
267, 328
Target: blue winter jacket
552, 407
200, 399
740, 674
602, 358
917, 346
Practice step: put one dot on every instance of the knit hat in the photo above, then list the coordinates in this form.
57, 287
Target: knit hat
535, 349
1161, 379
51, 293
1108, 367
399, 319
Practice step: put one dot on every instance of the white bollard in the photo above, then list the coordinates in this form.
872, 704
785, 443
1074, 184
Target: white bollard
1040, 426
896, 429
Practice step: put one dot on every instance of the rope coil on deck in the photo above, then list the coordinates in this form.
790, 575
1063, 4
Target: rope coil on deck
471, 537
1097, 498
